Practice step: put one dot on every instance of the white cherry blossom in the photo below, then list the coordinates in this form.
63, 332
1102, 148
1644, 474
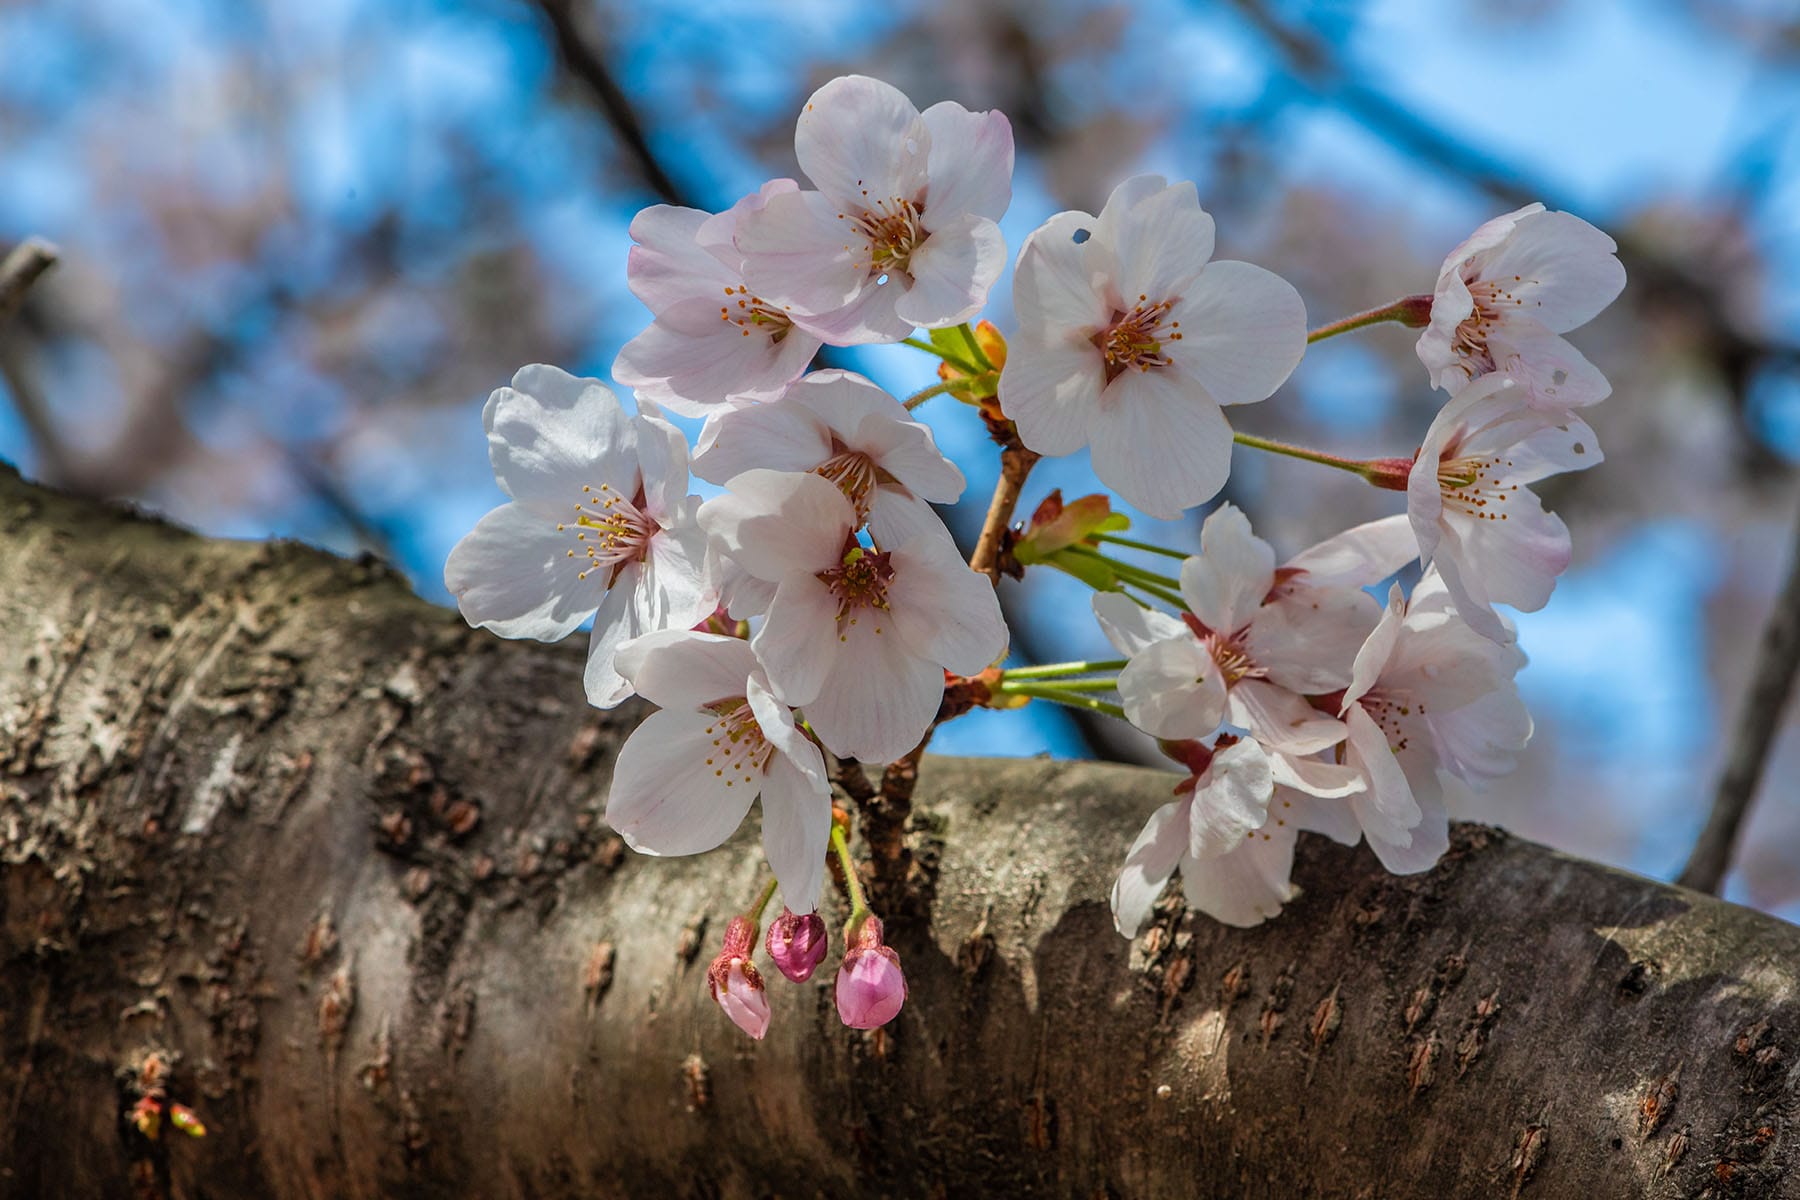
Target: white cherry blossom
1489, 535
1505, 296
713, 343
841, 426
1432, 705
902, 229
685, 778
857, 636
599, 524
1130, 340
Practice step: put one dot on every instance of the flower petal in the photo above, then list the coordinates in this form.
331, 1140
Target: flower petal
685, 669
549, 434
970, 164
1160, 442
798, 255
1163, 242
1243, 331
1173, 689
774, 522
513, 574
879, 698
1279, 719
952, 271
1232, 798
1560, 268
668, 264
1049, 390
796, 828
944, 611
1152, 859
861, 141
780, 436
1247, 886
1225, 583
1131, 627
1360, 556
664, 798
798, 644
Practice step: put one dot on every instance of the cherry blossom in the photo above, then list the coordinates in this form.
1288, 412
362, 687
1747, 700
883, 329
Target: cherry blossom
845, 428
797, 943
598, 523
871, 988
1130, 340
735, 984
1506, 295
1432, 706
902, 229
1489, 535
1245, 651
686, 777
713, 343
858, 636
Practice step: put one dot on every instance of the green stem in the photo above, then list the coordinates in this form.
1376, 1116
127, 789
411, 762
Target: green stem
963, 365
1411, 311
1172, 599
975, 351
1353, 465
1116, 540
937, 389
1075, 685
1038, 692
1125, 569
859, 908
762, 901
1049, 670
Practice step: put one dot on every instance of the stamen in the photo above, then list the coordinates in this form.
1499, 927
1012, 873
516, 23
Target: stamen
1135, 338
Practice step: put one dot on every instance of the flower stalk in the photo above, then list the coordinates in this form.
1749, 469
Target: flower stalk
1414, 312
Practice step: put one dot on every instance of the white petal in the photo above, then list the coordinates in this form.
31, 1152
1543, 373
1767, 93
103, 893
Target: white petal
1296, 775
860, 137
1468, 593
1232, 798
1561, 269
944, 611
798, 254
1482, 740
796, 828
1131, 627
1556, 375
1247, 886
1517, 561
513, 574
774, 522
780, 436
970, 164
798, 644
1163, 242
1372, 658
1243, 331
952, 271
879, 698
664, 799
1106, 228
1225, 583
668, 264
1049, 390
1160, 442
663, 460
1054, 290
1426, 841
895, 518
1148, 865
695, 369
1307, 639
867, 319
1387, 810
1173, 689
778, 726
682, 668
1359, 556
550, 433
906, 450
1279, 719
615, 624
1333, 818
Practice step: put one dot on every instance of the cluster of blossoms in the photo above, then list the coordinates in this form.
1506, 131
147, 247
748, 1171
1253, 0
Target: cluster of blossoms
816, 614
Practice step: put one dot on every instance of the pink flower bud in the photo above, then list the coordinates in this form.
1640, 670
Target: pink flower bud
870, 986
797, 944
735, 984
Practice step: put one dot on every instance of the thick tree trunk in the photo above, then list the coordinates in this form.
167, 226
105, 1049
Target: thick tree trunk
340, 861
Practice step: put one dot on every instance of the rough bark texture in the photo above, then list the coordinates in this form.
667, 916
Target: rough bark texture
340, 860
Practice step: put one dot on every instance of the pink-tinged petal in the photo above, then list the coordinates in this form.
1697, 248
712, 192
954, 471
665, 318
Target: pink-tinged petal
971, 163
1107, 227
1387, 810
1451, 305
1556, 375
1225, 583
870, 988
1333, 818
945, 612
1160, 845
1565, 444
1279, 719
843, 401
1426, 841
710, 365
1480, 245
663, 461
1298, 776
1558, 268
782, 732
1482, 739
1163, 243
681, 668
1360, 556
678, 588
907, 450
718, 233
1131, 627
1372, 659
798, 254
1232, 798
513, 574
664, 798
952, 271
774, 522
895, 518
1050, 390
741, 594
1308, 638
1055, 295
868, 319
861, 142
1247, 886
879, 697
1160, 442
796, 827
549, 434
1173, 689
1243, 331
668, 264
1517, 561
779, 436
615, 624
743, 997
1468, 594
798, 644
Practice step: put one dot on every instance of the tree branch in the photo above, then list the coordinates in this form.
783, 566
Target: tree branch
23, 265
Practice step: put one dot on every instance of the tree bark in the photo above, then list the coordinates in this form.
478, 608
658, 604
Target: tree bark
340, 861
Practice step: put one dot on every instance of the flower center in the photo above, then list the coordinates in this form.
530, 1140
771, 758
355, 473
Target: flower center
859, 582
891, 228
1228, 653
1135, 338
754, 313
1491, 302
739, 751
1392, 710
612, 531
855, 474
1473, 485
